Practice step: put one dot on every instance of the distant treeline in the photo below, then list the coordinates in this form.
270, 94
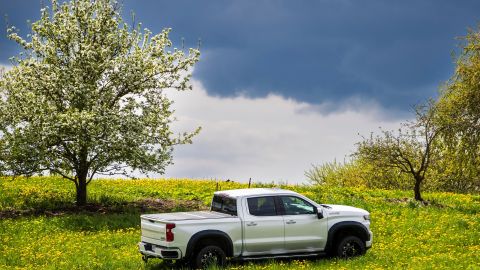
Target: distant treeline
438, 150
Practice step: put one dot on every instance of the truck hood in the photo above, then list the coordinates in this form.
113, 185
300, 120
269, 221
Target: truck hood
178, 216
344, 210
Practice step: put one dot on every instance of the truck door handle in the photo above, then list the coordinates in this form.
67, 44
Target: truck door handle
252, 224
291, 222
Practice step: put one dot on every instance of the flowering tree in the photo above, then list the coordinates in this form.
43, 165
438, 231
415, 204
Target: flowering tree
86, 96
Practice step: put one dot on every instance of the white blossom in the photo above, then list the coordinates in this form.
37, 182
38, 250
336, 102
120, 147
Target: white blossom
87, 96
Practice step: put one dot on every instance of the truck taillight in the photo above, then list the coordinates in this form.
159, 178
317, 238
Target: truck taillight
168, 232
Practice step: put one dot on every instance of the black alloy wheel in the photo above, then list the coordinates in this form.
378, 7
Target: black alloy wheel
350, 246
209, 256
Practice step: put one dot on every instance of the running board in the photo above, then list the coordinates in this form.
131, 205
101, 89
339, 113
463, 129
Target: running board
281, 256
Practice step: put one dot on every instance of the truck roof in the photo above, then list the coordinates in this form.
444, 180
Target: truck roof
234, 193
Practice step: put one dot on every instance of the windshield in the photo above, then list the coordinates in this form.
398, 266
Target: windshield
224, 204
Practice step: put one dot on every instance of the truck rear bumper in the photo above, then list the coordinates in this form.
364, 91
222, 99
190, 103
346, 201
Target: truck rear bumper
156, 251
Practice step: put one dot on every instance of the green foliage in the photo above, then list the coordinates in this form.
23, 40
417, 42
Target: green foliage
456, 173
407, 234
459, 113
329, 173
87, 96
461, 96
347, 174
358, 173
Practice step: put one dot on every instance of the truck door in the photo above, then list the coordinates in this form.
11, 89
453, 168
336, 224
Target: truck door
263, 227
304, 232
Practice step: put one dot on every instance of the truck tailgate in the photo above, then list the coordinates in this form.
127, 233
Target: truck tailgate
154, 225
153, 230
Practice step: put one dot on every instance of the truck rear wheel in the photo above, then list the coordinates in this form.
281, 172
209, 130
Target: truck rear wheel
209, 255
350, 246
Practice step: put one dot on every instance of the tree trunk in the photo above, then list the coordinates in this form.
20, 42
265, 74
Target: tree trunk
418, 181
82, 191
82, 174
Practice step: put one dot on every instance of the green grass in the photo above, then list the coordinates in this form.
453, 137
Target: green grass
407, 235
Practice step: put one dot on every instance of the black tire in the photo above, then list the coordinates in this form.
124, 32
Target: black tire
209, 255
350, 246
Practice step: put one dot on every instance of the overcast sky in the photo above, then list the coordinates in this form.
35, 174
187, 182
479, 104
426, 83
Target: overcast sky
282, 85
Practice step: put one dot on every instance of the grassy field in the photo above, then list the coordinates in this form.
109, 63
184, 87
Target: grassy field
39, 229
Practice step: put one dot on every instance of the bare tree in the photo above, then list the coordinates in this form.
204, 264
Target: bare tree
410, 150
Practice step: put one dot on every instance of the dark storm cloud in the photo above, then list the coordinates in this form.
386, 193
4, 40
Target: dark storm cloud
394, 52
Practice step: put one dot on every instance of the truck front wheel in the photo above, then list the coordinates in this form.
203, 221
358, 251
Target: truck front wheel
209, 255
350, 246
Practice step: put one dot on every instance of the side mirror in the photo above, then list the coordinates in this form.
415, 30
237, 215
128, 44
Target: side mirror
319, 213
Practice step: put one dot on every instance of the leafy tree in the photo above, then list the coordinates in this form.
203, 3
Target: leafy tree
86, 97
459, 113
410, 151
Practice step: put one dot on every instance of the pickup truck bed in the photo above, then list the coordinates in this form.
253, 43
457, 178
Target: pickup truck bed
180, 216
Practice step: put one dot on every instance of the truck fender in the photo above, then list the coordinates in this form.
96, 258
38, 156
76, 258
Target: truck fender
214, 235
356, 228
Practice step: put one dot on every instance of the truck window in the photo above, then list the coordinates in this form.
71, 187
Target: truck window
296, 206
224, 204
262, 206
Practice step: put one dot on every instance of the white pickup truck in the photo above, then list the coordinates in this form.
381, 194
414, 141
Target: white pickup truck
256, 223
